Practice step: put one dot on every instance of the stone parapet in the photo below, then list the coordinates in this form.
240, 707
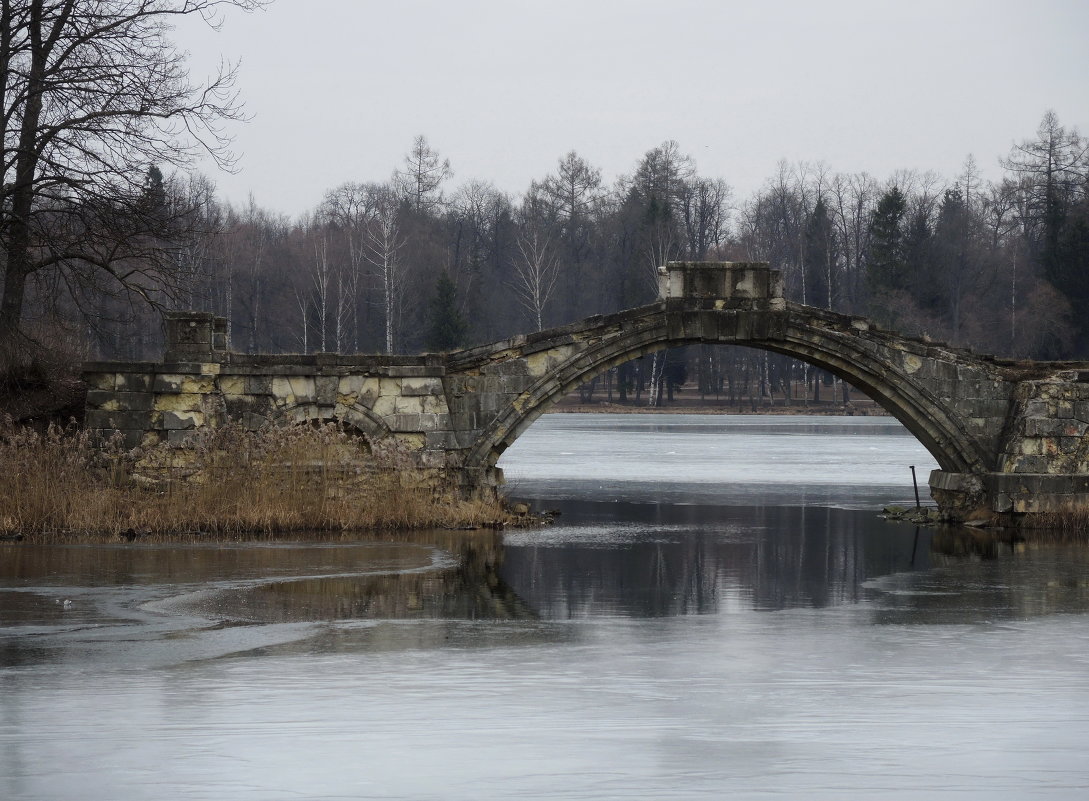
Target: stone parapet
722, 285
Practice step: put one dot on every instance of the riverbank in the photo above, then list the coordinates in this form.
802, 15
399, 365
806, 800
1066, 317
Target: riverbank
571, 405
233, 483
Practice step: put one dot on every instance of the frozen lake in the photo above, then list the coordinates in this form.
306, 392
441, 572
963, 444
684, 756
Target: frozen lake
717, 613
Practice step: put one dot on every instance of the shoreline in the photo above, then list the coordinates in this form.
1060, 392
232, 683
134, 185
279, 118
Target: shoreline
869, 409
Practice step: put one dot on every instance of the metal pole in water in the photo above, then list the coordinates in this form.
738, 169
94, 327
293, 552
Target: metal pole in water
915, 484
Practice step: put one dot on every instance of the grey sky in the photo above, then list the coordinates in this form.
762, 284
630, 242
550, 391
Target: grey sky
339, 88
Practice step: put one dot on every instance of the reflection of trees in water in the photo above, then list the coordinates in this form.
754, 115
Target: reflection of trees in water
690, 560
705, 557
979, 576
106, 565
389, 575
470, 590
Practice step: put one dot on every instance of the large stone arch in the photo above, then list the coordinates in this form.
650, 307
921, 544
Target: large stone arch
848, 347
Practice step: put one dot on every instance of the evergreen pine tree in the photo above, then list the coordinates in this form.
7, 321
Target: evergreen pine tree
446, 328
885, 266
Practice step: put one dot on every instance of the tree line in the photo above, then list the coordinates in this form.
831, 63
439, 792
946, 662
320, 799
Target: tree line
416, 263
104, 224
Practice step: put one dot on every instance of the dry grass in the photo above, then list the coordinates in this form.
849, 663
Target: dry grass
1068, 526
59, 485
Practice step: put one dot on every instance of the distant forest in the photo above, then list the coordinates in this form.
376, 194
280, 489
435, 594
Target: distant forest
420, 261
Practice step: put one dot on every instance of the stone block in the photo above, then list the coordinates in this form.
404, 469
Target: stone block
435, 404
540, 364
134, 382
412, 441
1081, 411
1030, 464
433, 459
467, 439
511, 367
281, 389
1069, 445
258, 385
421, 386
182, 421
471, 403
1036, 407
119, 401
179, 437
179, 402
180, 382
305, 412
117, 420
1074, 428
252, 421
1025, 505
303, 388
405, 422
132, 438
232, 384
167, 382
325, 389
385, 405
103, 381
412, 405
514, 384
400, 370
1043, 426
1064, 409
442, 440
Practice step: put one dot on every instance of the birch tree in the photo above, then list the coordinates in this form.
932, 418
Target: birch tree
535, 269
383, 246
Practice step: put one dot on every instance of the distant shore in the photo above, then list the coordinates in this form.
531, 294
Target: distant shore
860, 409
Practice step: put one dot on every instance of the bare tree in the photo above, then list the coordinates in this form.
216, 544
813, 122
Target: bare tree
345, 211
383, 245
852, 201
91, 94
253, 239
575, 189
704, 206
421, 180
535, 270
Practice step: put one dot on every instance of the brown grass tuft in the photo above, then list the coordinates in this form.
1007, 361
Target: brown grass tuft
59, 485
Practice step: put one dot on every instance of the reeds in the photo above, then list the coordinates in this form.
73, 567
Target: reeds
1071, 525
64, 485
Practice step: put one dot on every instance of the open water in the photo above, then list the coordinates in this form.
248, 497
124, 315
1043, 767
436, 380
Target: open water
718, 612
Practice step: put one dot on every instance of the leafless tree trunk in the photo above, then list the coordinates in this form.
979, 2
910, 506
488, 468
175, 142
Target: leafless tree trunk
91, 94
535, 272
383, 245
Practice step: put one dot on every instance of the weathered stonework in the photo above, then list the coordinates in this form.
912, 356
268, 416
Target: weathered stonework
1010, 437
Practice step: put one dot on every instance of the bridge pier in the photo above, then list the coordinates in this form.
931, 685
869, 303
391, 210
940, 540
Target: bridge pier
1011, 438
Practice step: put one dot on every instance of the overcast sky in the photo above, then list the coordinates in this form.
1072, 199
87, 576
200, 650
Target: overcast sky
338, 89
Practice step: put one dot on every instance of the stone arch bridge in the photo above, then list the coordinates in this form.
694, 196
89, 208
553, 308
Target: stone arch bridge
1010, 437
